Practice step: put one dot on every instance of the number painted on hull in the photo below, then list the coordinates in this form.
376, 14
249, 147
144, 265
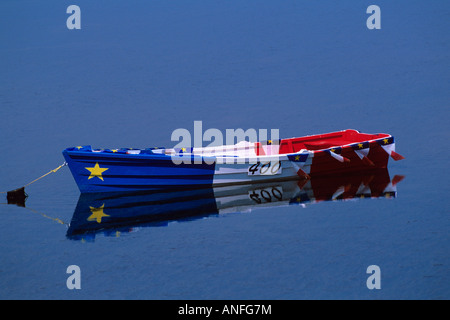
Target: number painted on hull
269, 168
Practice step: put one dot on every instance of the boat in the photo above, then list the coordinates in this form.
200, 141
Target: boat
131, 169
123, 212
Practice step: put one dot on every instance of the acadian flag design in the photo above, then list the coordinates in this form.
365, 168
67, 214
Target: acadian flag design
113, 170
362, 150
300, 198
152, 150
298, 157
271, 147
336, 153
96, 171
389, 146
298, 161
119, 151
180, 151
80, 148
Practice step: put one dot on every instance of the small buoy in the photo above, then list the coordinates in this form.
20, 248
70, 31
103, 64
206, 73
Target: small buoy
17, 197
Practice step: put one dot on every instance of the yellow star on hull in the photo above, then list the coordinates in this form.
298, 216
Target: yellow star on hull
96, 171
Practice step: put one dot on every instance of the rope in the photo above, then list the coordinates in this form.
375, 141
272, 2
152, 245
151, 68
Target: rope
22, 205
51, 171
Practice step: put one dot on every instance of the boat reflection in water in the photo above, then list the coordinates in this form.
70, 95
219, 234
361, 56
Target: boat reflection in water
114, 213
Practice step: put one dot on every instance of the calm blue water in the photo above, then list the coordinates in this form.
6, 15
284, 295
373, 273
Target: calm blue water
137, 70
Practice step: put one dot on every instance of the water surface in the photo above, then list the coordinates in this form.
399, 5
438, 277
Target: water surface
138, 70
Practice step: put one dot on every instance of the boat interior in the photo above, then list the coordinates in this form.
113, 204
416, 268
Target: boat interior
284, 146
324, 141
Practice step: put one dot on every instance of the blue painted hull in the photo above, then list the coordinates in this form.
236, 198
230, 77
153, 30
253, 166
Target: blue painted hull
112, 172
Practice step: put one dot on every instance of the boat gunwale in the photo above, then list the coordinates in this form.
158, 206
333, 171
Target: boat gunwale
225, 158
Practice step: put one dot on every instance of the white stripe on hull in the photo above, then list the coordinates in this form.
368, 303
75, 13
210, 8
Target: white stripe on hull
239, 173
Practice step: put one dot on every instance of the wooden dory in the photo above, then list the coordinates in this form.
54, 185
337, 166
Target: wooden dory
119, 170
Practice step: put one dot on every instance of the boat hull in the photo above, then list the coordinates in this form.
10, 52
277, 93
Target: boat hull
126, 172
97, 171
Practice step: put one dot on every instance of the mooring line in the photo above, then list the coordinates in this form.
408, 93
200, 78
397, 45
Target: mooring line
18, 196
51, 171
